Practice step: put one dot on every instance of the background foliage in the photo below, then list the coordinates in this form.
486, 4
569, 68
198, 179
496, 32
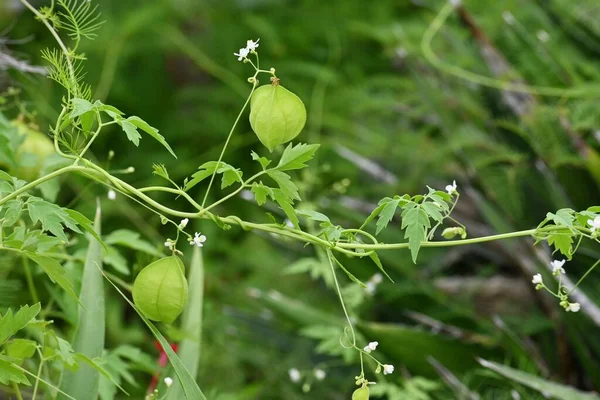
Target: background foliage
390, 120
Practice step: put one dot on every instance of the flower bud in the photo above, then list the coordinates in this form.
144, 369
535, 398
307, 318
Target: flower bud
450, 233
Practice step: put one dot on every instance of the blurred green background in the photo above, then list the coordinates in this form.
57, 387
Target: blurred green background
390, 121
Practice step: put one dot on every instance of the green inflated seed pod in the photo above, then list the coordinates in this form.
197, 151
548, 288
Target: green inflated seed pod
160, 290
361, 393
276, 115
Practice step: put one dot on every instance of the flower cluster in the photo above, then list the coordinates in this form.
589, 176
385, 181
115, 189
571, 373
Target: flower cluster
197, 240
387, 368
561, 292
243, 53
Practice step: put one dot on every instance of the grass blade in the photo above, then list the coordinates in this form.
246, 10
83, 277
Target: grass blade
89, 335
190, 347
190, 387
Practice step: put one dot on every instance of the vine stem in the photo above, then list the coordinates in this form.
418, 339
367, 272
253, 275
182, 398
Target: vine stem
339, 292
29, 278
447, 243
17, 391
584, 276
33, 184
97, 173
212, 178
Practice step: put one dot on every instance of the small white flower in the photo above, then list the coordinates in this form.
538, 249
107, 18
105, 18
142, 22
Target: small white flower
455, 3
168, 381
183, 223
370, 288
377, 278
112, 194
451, 188
242, 54
320, 374
198, 240
542, 35
537, 279
252, 45
294, 375
594, 223
573, 307
557, 268
169, 244
370, 347
388, 369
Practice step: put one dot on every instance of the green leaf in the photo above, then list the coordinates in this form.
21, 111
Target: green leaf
80, 107
11, 212
416, 221
562, 243
314, 215
433, 210
382, 203
111, 111
89, 331
52, 217
130, 129
11, 324
295, 157
95, 365
261, 192
9, 372
55, 272
375, 257
264, 162
21, 349
230, 174
143, 125
284, 203
190, 348
188, 382
131, 239
387, 212
563, 217
546, 387
116, 260
284, 181
86, 224
65, 352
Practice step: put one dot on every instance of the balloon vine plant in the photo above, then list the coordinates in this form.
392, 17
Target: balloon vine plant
34, 227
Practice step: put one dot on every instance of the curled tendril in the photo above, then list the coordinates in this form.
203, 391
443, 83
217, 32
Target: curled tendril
345, 336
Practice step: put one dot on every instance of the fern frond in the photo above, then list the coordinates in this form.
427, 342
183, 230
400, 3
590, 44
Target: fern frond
79, 19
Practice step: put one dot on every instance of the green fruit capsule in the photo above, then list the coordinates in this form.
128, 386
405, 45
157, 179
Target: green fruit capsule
32, 153
276, 115
160, 290
361, 393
